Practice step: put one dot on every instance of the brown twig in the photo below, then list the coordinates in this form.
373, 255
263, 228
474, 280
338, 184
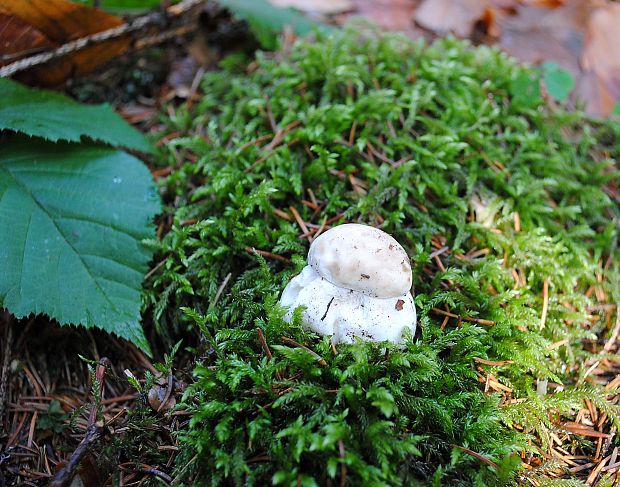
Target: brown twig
66, 474
269, 255
545, 297
263, 341
614, 334
157, 473
220, 290
293, 343
301, 223
479, 321
438, 252
491, 362
474, 454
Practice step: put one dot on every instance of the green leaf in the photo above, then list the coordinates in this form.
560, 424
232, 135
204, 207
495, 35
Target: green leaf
123, 6
54, 418
616, 110
57, 117
73, 220
525, 89
559, 82
267, 20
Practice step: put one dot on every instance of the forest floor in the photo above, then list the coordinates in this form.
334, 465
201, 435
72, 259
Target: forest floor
55, 380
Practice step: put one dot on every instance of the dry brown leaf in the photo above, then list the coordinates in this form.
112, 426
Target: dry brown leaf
591, 88
390, 15
62, 21
456, 16
18, 39
322, 7
539, 34
544, 3
601, 53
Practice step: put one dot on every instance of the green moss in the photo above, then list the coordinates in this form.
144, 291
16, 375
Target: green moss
426, 130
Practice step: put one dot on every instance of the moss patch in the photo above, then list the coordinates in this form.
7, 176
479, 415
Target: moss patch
500, 201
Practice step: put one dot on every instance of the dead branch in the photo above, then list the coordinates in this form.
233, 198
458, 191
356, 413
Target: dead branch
96, 429
64, 476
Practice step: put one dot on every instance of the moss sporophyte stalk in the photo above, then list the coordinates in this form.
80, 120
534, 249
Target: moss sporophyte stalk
496, 197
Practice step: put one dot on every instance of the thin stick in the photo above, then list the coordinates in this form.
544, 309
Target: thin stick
293, 343
157, 473
322, 227
438, 252
545, 306
301, 223
269, 255
474, 454
479, 321
517, 220
220, 290
614, 335
263, 341
490, 362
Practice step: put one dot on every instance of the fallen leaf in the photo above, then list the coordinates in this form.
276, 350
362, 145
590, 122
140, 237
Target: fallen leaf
61, 21
18, 38
601, 54
391, 15
156, 397
322, 7
592, 89
558, 81
539, 34
456, 16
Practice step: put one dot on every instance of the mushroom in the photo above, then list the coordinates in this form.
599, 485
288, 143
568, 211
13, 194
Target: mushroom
356, 285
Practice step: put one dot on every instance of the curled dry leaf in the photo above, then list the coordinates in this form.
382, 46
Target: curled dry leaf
601, 54
18, 38
157, 395
61, 21
537, 34
591, 87
391, 15
456, 16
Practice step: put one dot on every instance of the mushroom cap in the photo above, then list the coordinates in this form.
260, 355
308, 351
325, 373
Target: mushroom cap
346, 314
362, 258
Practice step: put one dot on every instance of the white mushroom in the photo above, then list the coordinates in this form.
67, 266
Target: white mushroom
362, 258
355, 286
